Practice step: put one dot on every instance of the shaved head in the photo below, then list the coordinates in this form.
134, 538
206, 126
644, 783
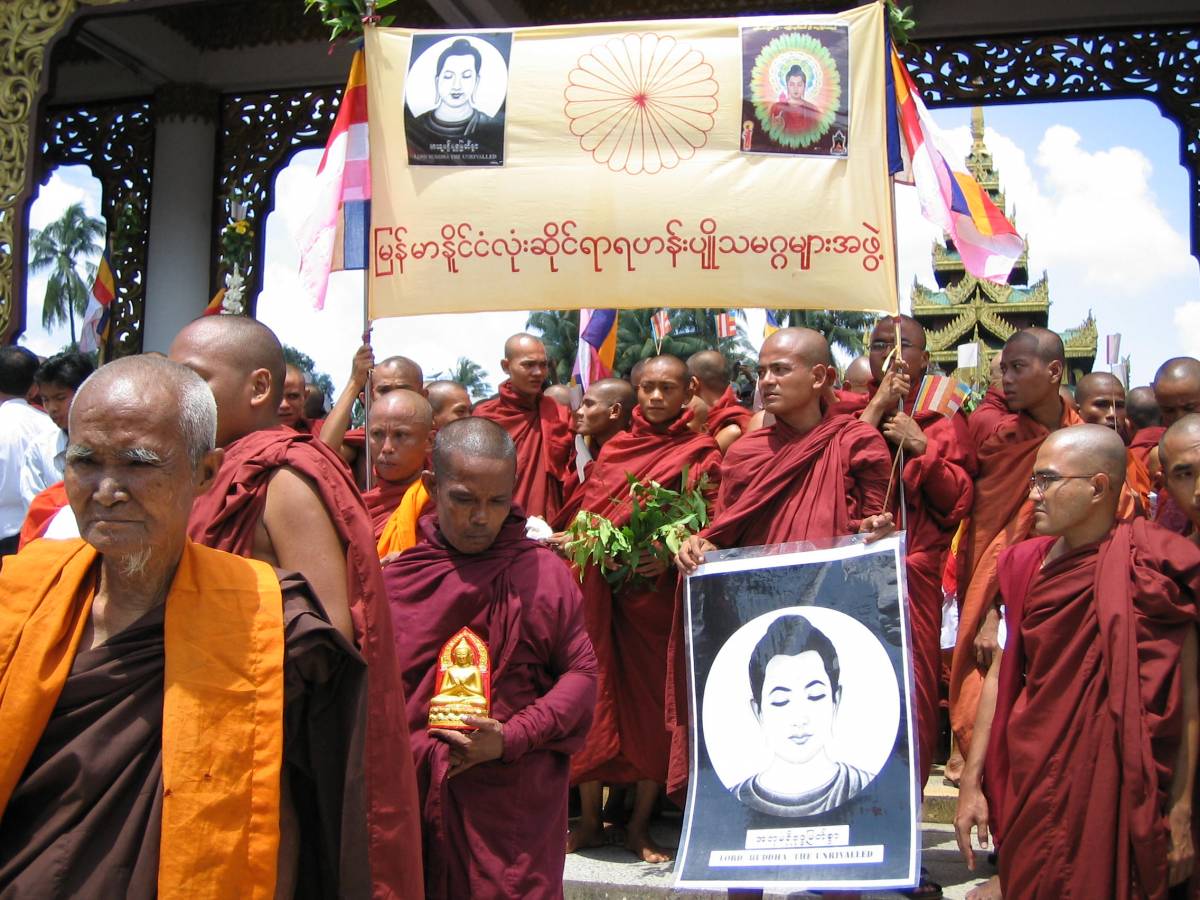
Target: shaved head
1097, 383
1142, 409
521, 343
793, 375
406, 404
470, 439
450, 401
559, 393
1184, 432
525, 364
1100, 399
1179, 457
291, 404
1045, 344
1089, 450
810, 346
242, 362
666, 364
615, 390
858, 375
1177, 388
635, 373
882, 352
396, 373
711, 369
398, 428
1031, 374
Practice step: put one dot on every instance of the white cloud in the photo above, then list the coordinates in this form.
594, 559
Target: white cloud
1186, 318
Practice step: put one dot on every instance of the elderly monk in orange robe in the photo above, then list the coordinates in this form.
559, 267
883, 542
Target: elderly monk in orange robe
1177, 390
727, 418
1008, 428
494, 797
450, 402
630, 626
1084, 761
399, 438
604, 412
809, 475
537, 425
1100, 400
939, 464
151, 746
287, 499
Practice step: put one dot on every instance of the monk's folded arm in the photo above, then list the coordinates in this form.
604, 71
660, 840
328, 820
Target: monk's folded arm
560, 718
947, 488
305, 540
988, 415
871, 468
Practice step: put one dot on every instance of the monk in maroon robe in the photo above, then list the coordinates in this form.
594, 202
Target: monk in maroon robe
450, 401
152, 746
727, 419
291, 404
399, 438
537, 425
939, 464
604, 412
807, 476
1007, 427
630, 627
1177, 391
1145, 423
1084, 761
494, 799
288, 500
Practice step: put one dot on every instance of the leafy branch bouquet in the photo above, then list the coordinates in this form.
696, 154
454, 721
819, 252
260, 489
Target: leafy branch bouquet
660, 521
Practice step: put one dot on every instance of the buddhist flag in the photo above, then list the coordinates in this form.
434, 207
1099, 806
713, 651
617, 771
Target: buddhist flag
726, 326
96, 318
661, 323
771, 326
216, 304
950, 197
597, 345
334, 236
940, 394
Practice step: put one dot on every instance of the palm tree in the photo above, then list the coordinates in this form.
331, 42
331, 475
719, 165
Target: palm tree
472, 376
692, 330
559, 331
841, 328
60, 247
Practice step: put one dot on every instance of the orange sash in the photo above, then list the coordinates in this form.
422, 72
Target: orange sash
400, 531
222, 703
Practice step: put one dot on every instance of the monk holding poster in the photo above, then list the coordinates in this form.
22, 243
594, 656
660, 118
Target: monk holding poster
287, 499
1008, 427
807, 476
1090, 720
939, 463
177, 722
630, 625
490, 621
537, 425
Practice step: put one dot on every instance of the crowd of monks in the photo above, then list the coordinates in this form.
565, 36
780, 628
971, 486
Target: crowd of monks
287, 656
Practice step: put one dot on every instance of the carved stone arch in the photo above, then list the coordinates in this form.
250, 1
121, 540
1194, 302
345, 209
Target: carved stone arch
116, 142
258, 135
1157, 64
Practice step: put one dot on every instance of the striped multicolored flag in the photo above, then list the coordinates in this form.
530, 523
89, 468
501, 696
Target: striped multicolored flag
726, 326
950, 197
661, 323
940, 394
771, 326
94, 331
597, 345
334, 236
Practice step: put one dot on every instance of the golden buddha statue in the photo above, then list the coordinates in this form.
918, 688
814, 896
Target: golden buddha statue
463, 685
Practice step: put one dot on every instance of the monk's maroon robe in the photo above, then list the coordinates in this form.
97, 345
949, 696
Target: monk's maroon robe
498, 829
938, 492
1144, 440
1088, 712
778, 485
226, 518
631, 628
539, 429
85, 819
381, 501
725, 412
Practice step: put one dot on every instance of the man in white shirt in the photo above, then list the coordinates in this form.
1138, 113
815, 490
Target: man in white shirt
26, 463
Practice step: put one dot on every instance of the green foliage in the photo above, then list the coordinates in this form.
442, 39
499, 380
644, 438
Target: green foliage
60, 248
660, 521
841, 328
692, 330
900, 23
345, 17
470, 375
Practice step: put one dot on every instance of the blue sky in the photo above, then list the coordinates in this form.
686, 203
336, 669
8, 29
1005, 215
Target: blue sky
1096, 186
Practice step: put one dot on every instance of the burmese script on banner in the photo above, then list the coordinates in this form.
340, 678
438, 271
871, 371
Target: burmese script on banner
691, 163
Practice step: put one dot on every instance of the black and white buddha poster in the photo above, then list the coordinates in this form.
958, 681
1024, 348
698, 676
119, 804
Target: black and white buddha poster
802, 737
454, 99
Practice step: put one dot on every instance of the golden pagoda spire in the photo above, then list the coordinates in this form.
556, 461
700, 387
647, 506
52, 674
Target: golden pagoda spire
976, 128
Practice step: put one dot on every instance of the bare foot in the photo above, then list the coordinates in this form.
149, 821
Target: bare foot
583, 835
989, 890
640, 845
954, 769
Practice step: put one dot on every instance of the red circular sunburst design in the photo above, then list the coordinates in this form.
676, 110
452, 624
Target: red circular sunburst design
641, 103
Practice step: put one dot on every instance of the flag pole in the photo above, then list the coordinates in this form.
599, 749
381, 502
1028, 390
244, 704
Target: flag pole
369, 21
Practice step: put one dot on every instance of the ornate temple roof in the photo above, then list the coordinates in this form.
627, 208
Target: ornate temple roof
964, 309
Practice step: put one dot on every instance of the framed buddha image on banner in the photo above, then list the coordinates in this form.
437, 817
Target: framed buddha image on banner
802, 770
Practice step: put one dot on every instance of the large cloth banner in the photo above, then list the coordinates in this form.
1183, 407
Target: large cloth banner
690, 163
800, 675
